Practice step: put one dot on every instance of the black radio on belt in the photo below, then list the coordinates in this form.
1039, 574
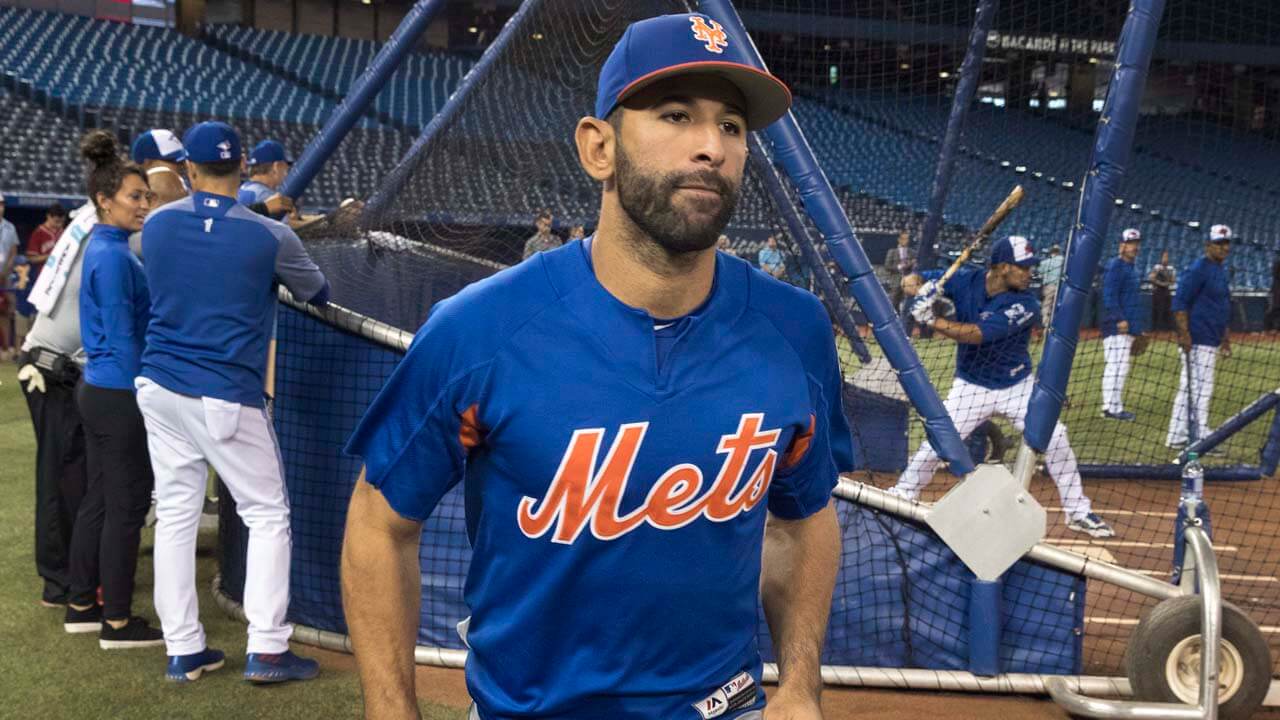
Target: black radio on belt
57, 366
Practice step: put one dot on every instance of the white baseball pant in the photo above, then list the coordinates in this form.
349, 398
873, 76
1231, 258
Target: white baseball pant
970, 405
1204, 358
185, 436
1115, 350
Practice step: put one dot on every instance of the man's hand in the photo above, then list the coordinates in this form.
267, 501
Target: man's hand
1226, 346
922, 310
1184, 341
792, 706
1122, 327
929, 290
278, 204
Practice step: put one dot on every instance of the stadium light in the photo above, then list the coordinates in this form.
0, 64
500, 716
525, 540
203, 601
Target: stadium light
944, 74
904, 66
538, 36
473, 30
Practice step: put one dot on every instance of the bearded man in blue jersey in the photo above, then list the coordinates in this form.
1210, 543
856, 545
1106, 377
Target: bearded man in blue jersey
624, 412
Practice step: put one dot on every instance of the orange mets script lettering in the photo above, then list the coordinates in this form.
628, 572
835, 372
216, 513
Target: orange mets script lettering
713, 35
580, 496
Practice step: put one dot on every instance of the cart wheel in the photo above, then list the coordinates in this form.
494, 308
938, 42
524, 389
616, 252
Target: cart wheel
1163, 658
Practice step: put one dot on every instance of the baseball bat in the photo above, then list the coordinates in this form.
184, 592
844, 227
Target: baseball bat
993, 222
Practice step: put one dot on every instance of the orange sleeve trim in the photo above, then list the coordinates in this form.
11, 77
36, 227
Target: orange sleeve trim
470, 434
799, 446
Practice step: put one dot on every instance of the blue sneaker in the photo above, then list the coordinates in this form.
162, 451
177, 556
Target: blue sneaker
279, 667
186, 668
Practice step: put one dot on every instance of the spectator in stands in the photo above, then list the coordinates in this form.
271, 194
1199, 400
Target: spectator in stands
1271, 323
1162, 278
1050, 277
114, 309
543, 239
723, 244
41, 241
577, 232
8, 253
49, 366
1201, 312
770, 258
160, 153
1121, 322
899, 262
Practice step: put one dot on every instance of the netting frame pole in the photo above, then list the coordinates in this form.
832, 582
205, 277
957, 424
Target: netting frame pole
967, 86
1112, 150
476, 76
793, 153
359, 97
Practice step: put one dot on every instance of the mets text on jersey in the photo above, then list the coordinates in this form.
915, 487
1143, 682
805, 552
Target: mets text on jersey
579, 496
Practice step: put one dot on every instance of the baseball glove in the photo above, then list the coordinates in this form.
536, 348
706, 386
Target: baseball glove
1139, 345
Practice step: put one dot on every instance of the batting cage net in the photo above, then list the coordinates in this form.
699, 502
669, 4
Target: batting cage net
875, 88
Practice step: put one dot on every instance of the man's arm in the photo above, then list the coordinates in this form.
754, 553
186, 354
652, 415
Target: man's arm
801, 558
1184, 331
967, 333
381, 594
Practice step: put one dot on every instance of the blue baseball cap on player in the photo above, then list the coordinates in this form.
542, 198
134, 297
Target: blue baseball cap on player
268, 151
211, 142
689, 44
158, 144
1015, 250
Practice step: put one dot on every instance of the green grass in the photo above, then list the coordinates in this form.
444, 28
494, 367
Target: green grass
47, 674
1253, 369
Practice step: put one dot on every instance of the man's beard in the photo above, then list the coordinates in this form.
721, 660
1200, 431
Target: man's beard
649, 200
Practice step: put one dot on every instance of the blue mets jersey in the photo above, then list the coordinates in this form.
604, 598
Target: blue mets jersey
1121, 298
212, 265
615, 504
1002, 359
1205, 295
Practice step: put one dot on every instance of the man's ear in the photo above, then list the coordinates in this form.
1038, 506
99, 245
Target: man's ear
596, 143
191, 169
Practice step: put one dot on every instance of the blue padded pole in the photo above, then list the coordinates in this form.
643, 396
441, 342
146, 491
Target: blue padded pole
362, 94
475, 77
1271, 451
984, 626
793, 154
970, 74
809, 253
1113, 145
1172, 471
1233, 425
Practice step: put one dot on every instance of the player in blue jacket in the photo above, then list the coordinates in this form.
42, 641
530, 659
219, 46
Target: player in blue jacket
624, 412
212, 265
114, 310
1122, 321
994, 317
1201, 312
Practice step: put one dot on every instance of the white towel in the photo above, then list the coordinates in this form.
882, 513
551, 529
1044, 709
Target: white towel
53, 278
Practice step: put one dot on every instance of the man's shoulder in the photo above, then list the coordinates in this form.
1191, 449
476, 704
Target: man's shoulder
487, 311
797, 314
240, 211
169, 211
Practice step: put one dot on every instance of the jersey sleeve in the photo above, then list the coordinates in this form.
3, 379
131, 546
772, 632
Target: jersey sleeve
1189, 285
819, 453
415, 436
298, 272
1009, 319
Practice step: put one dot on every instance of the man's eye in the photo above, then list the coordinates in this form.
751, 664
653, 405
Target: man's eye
677, 116
731, 127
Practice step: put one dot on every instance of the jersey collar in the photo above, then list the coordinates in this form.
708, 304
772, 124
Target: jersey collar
212, 205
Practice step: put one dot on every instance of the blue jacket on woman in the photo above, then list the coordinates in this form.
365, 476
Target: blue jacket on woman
114, 308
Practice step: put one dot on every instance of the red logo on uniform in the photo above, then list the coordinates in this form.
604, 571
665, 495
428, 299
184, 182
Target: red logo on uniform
581, 496
713, 35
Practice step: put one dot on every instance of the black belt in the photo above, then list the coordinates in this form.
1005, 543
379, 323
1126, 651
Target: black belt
59, 367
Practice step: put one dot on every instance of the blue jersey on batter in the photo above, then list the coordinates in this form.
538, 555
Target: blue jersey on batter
252, 192
1002, 360
1205, 295
615, 504
1121, 298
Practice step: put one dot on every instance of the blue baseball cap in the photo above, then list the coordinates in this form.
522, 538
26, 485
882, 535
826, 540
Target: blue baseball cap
268, 151
158, 144
688, 44
211, 142
1015, 250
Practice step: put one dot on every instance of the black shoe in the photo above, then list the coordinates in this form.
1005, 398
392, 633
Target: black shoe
1124, 415
83, 621
137, 633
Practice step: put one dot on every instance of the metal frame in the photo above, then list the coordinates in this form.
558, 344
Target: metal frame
1211, 637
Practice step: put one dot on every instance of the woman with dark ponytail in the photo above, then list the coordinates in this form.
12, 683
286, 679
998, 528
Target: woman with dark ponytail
114, 307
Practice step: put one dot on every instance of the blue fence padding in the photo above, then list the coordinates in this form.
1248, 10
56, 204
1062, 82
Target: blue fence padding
880, 430
360, 97
970, 74
1234, 473
1232, 425
1271, 450
1113, 147
793, 154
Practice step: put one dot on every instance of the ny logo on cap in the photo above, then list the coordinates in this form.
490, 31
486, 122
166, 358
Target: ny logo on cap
713, 35
224, 150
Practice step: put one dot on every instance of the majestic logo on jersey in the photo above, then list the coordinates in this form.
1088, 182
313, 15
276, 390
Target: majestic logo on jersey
731, 696
713, 35
581, 496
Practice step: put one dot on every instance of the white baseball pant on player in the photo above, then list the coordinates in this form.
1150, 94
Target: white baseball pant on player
185, 435
1115, 350
970, 405
1204, 358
